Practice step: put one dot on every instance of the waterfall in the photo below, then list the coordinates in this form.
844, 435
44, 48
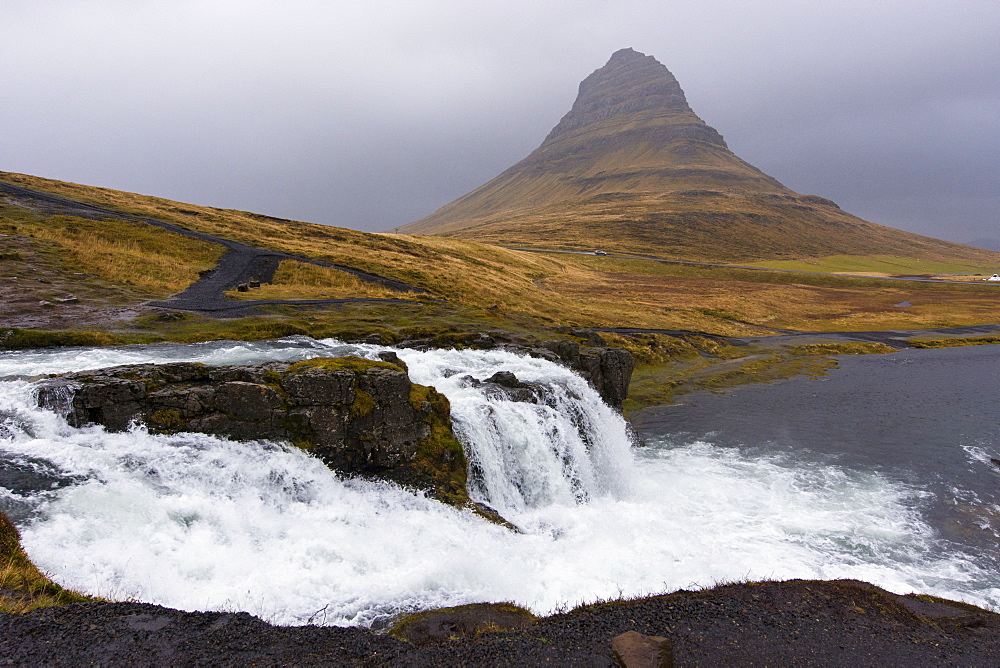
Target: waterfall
203, 523
563, 446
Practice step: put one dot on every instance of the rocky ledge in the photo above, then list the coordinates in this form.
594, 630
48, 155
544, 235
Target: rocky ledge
358, 416
802, 623
608, 370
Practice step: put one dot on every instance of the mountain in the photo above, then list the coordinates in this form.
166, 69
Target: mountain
632, 168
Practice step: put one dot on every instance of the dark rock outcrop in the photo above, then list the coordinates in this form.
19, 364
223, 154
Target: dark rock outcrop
608, 370
358, 416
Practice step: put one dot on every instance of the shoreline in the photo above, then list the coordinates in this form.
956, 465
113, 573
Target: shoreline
806, 622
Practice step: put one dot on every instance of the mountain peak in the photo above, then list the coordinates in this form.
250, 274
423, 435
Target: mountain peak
631, 166
630, 83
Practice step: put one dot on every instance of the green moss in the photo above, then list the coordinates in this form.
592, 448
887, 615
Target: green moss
363, 404
955, 342
168, 419
349, 363
767, 369
660, 384
715, 347
440, 457
20, 339
652, 349
846, 348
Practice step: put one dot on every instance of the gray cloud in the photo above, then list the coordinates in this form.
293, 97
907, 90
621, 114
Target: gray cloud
370, 115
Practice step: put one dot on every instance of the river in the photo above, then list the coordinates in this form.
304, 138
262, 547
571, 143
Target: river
880, 472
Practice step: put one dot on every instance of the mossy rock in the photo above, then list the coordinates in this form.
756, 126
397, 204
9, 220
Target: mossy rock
349, 363
440, 457
464, 621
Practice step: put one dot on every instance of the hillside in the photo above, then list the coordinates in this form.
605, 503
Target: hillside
632, 168
69, 268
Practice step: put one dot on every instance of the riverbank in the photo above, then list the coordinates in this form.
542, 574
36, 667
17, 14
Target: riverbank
770, 623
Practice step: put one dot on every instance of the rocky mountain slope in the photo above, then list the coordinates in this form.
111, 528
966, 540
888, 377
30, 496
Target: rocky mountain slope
632, 168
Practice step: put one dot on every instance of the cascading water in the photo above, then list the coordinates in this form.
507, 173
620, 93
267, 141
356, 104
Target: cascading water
198, 522
563, 448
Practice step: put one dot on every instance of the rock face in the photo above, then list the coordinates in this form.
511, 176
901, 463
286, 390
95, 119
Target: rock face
608, 370
358, 416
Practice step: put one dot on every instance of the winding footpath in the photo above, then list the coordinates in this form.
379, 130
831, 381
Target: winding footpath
240, 262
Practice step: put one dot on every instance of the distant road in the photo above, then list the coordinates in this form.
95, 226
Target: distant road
743, 266
238, 264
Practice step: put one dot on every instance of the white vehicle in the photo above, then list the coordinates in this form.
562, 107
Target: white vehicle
600, 252
994, 277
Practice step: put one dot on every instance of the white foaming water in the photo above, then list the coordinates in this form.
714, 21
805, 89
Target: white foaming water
197, 522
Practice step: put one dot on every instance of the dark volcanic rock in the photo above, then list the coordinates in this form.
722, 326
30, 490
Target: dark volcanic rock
358, 416
608, 370
808, 623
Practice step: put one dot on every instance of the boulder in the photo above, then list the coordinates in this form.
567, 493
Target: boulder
635, 650
358, 416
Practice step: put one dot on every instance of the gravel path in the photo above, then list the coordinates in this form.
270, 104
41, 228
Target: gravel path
238, 264
842, 623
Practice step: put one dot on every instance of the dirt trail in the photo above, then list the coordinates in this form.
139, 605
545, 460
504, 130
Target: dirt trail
238, 264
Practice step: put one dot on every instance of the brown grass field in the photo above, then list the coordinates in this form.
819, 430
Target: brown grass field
498, 285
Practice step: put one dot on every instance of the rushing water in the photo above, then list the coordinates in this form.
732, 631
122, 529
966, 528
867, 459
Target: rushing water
197, 522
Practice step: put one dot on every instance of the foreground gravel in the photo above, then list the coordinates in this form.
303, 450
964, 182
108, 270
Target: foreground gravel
778, 623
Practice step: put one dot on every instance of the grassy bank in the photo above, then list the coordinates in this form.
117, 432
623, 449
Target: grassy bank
22, 586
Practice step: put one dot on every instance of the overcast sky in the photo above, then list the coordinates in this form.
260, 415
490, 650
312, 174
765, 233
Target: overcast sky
373, 114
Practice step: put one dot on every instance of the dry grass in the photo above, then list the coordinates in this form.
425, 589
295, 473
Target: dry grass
701, 225
509, 286
22, 586
884, 265
148, 259
298, 280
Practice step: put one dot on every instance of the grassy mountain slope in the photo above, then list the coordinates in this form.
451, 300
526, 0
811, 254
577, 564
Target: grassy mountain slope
471, 285
632, 168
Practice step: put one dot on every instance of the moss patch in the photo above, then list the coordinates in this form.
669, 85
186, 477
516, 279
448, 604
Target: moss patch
954, 342
660, 384
169, 419
440, 457
350, 363
363, 404
846, 348
21, 339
